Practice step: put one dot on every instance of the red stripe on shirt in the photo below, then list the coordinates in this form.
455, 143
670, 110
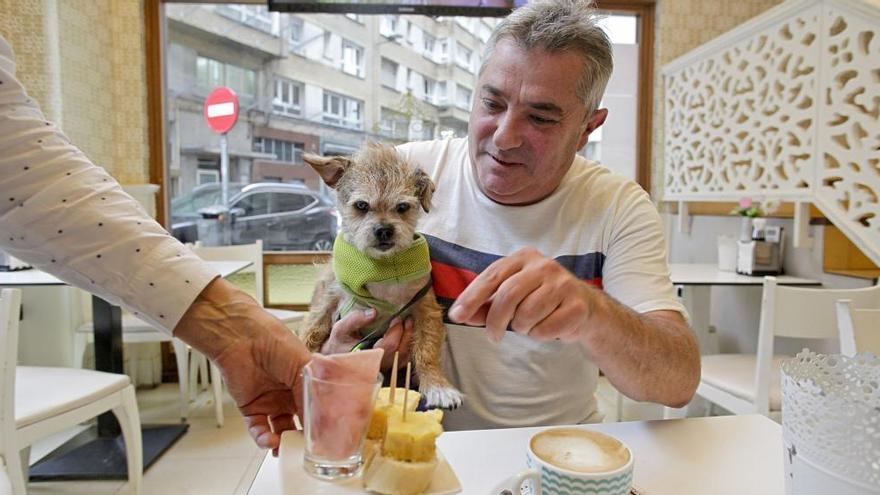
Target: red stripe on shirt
450, 281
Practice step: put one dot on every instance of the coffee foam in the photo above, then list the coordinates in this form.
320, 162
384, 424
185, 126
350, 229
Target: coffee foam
583, 451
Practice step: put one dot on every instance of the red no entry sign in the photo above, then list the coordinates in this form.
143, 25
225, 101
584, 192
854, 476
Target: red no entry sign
221, 110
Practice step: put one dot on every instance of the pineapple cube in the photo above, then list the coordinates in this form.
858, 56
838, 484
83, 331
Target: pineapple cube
379, 420
384, 408
412, 400
412, 440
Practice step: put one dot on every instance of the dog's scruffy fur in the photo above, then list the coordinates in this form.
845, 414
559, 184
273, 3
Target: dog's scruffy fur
395, 193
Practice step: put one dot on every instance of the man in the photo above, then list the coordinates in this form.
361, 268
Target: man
526, 236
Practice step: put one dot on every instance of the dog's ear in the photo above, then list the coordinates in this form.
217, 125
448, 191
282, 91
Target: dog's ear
330, 169
424, 188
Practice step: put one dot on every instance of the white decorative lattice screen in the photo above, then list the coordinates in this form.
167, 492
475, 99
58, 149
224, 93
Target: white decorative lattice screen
786, 106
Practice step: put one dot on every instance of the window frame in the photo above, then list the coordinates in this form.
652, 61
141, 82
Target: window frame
154, 82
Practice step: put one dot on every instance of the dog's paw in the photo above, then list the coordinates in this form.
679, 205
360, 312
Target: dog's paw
442, 397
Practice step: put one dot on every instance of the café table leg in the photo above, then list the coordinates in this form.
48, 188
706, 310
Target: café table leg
697, 300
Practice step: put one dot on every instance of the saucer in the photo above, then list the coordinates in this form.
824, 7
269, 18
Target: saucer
294, 478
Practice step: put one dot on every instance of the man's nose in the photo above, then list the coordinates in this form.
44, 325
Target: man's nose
383, 232
508, 134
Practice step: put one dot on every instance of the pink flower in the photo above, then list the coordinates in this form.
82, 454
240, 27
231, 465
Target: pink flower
745, 203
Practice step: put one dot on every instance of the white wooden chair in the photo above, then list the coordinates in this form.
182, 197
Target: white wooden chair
36, 402
859, 329
254, 254
750, 383
241, 252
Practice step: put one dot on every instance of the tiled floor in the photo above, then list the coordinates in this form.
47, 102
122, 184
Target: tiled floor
224, 461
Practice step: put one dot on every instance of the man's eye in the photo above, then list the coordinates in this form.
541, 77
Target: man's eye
362, 206
402, 207
542, 120
491, 105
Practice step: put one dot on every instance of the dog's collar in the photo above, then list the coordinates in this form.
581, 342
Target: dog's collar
354, 269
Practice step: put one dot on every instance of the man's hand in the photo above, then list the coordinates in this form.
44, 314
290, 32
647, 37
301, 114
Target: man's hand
347, 332
259, 357
532, 294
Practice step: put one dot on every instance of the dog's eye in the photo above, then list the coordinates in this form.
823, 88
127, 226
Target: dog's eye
402, 207
362, 206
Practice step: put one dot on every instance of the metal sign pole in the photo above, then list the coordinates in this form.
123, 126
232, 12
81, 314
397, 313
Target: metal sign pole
224, 189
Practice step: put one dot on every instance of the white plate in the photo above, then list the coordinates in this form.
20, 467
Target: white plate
295, 480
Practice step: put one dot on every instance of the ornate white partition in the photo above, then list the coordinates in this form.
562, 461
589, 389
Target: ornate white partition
786, 106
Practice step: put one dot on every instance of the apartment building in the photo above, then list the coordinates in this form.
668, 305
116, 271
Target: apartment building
316, 83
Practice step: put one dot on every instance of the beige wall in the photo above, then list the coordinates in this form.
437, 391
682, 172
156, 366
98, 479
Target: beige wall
83, 61
683, 25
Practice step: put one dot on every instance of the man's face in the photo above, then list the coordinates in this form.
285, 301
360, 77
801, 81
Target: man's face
527, 122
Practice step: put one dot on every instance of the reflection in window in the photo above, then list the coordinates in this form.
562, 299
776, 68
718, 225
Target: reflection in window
394, 124
463, 97
389, 74
254, 204
255, 16
352, 59
212, 73
288, 95
284, 151
342, 110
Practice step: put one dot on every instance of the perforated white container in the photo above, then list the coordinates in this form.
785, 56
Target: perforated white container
831, 424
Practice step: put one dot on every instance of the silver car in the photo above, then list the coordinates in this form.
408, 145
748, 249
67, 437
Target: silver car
287, 217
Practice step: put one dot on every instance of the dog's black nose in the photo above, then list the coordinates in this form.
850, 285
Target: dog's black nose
383, 233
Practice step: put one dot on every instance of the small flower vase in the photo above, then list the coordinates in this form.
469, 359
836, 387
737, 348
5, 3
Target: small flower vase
745, 229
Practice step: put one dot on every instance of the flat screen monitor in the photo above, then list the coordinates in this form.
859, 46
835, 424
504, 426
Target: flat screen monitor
473, 8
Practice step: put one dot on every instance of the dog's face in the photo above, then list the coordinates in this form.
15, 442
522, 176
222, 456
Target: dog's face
379, 197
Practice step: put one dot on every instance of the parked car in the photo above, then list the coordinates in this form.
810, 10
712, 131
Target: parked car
287, 217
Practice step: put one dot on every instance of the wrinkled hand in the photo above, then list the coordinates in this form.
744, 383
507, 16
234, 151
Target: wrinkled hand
347, 332
533, 294
259, 357
263, 377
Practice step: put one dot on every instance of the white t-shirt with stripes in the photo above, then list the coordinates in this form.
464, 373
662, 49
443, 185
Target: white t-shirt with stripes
599, 225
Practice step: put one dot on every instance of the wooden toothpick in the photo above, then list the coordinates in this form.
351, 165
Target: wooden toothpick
406, 392
393, 379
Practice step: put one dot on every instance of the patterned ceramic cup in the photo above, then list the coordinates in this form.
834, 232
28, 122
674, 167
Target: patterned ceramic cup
573, 461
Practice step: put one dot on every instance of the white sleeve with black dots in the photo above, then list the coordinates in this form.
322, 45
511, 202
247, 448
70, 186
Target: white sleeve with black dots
66, 216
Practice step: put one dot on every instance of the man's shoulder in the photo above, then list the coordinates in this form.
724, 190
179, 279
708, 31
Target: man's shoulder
594, 180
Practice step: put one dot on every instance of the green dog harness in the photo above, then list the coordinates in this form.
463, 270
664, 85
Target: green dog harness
354, 270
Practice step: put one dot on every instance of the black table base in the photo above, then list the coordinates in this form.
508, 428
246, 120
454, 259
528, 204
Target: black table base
89, 456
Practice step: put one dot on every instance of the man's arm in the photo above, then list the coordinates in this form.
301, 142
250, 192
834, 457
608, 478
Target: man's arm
649, 357
652, 356
259, 357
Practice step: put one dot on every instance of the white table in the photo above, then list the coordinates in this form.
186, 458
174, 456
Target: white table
98, 453
695, 281
34, 277
726, 455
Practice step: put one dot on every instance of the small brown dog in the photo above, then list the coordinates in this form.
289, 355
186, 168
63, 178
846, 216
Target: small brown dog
380, 261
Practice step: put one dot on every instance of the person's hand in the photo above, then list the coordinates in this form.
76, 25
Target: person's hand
259, 357
347, 332
532, 294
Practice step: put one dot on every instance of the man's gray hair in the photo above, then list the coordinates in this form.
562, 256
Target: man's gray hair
561, 25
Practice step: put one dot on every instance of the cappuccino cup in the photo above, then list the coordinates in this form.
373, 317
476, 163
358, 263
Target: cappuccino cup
573, 461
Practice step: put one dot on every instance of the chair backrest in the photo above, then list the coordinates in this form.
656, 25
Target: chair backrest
10, 309
807, 313
859, 329
241, 252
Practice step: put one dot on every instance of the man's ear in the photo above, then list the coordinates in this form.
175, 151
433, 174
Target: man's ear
593, 123
330, 169
424, 188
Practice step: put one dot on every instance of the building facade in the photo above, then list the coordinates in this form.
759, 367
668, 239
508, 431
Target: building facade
315, 83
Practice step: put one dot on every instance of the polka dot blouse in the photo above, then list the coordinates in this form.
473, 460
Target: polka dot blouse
68, 217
